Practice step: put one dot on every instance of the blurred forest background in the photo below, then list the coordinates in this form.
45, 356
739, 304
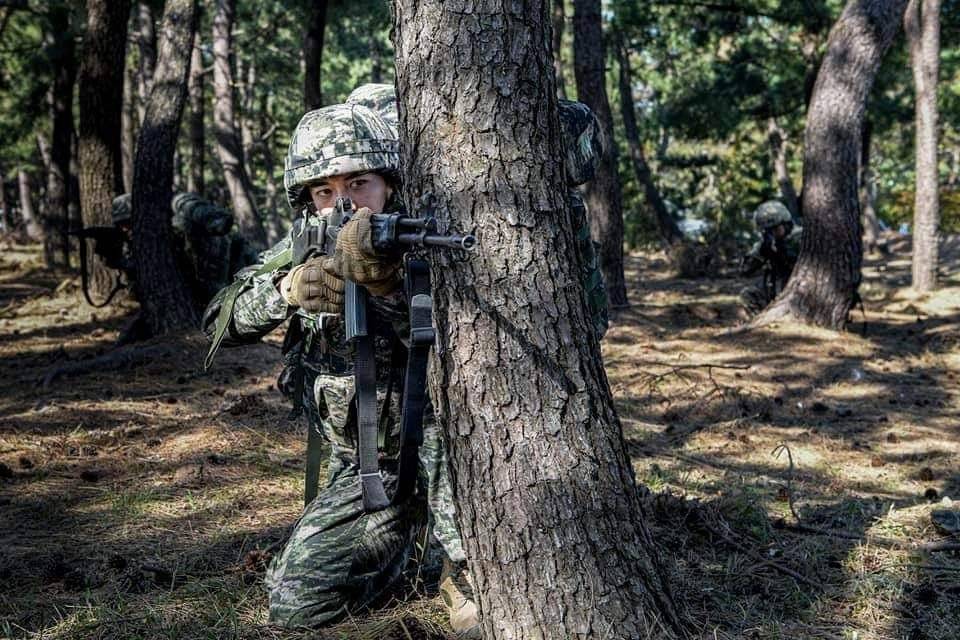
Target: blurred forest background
717, 91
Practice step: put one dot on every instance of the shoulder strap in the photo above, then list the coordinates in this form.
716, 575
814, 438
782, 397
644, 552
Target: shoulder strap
234, 290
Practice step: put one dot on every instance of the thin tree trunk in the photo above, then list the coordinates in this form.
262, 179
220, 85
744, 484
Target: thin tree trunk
30, 225
101, 110
667, 227
247, 108
868, 193
56, 245
547, 503
827, 275
603, 195
954, 177
147, 44
165, 301
128, 126
559, 25
197, 145
7, 220
228, 141
376, 60
313, 54
922, 24
778, 157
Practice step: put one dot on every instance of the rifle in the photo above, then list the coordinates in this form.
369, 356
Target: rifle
393, 235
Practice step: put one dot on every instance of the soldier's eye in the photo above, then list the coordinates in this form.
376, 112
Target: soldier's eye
359, 183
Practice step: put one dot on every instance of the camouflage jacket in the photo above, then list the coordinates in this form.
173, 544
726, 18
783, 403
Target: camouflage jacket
318, 363
775, 257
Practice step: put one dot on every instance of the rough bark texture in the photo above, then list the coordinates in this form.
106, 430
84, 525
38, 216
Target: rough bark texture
197, 146
666, 226
100, 87
781, 171
603, 196
559, 26
313, 55
224, 124
547, 504
30, 225
147, 44
922, 24
56, 220
161, 289
827, 275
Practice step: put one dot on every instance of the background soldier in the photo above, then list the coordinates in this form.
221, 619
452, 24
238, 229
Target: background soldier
774, 254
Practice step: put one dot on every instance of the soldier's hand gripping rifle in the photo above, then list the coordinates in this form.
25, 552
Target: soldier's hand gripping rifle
393, 234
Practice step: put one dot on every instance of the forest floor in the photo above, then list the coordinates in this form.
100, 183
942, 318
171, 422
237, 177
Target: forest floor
802, 479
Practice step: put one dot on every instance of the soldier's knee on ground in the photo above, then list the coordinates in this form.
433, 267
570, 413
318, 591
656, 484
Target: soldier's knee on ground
340, 559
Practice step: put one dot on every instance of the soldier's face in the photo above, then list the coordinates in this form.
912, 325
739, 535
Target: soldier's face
364, 190
780, 231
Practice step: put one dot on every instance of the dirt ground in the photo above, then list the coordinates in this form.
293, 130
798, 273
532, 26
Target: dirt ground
802, 480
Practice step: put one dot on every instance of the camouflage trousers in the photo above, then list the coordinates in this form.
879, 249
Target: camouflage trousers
340, 559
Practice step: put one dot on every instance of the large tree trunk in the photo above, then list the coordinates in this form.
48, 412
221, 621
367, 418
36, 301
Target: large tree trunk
224, 125
547, 504
197, 143
559, 25
922, 24
603, 196
30, 225
666, 226
313, 54
101, 106
781, 171
827, 275
164, 299
147, 45
56, 219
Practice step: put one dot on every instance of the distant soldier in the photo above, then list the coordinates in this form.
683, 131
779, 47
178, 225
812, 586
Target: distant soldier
774, 254
208, 250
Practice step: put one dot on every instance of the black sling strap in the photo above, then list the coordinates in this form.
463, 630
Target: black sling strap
417, 283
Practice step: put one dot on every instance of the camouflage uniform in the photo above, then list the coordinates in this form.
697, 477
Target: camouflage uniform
208, 250
339, 558
774, 256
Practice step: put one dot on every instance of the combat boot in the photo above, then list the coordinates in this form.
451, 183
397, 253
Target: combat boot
456, 588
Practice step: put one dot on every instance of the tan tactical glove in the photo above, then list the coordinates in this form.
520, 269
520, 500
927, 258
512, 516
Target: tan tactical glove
355, 258
313, 288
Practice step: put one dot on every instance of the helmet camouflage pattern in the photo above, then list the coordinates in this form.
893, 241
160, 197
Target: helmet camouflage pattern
582, 141
770, 214
336, 140
381, 98
122, 210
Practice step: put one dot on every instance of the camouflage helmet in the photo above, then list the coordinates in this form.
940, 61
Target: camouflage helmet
381, 98
770, 214
335, 140
122, 211
582, 141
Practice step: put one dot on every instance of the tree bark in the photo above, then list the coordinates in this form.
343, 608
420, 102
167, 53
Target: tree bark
165, 302
30, 225
313, 54
228, 141
147, 45
778, 157
56, 220
128, 126
559, 25
197, 143
101, 105
868, 193
827, 275
603, 196
547, 503
922, 25
666, 226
